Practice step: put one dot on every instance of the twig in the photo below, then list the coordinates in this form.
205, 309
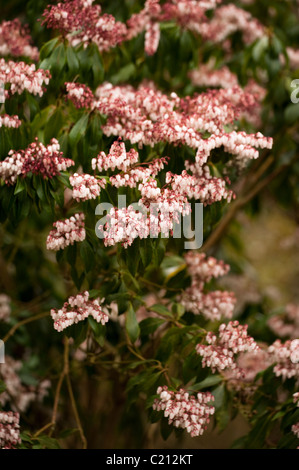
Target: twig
24, 322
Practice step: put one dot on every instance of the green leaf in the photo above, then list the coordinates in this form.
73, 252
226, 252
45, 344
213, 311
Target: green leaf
47, 48
124, 74
132, 325
260, 48
20, 186
149, 325
87, 255
291, 113
160, 309
165, 429
78, 130
99, 331
72, 61
57, 59
208, 382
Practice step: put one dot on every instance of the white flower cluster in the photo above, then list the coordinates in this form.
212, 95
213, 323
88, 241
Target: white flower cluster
220, 352
208, 76
67, 232
286, 324
36, 158
9, 121
184, 410
203, 267
157, 212
296, 398
11, 167
286, 357
9, 429
76, 309
86, 186
124, 225
22, 76
204, 188
116, 158
237, 143
138, 174
227, 20
4, 307
213, 305
16, 41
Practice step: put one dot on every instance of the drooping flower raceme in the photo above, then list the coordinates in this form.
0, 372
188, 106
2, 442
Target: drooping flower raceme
116, 158
66, 232
9, 121
185, 411
15, 40
212, 305
76, 309
82, 23
286, 357
21, 76
286, 324
86, 186
37, 158
221, 350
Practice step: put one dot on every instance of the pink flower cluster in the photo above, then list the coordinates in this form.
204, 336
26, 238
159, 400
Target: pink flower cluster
21, 76
287, 324
146, 116
81, 95
86, 186
212, 305
116, 158
157, 212
184, 410
9, 121
15, 40
221, 350
76, 309
228, 19
139, 173
208, 76
83, 23
9, 430
203, 268
296, 398
67, 232
286, 357
236, 143
4, 307
203, 188
38, 159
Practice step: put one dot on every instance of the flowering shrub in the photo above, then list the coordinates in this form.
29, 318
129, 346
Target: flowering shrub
118, 121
